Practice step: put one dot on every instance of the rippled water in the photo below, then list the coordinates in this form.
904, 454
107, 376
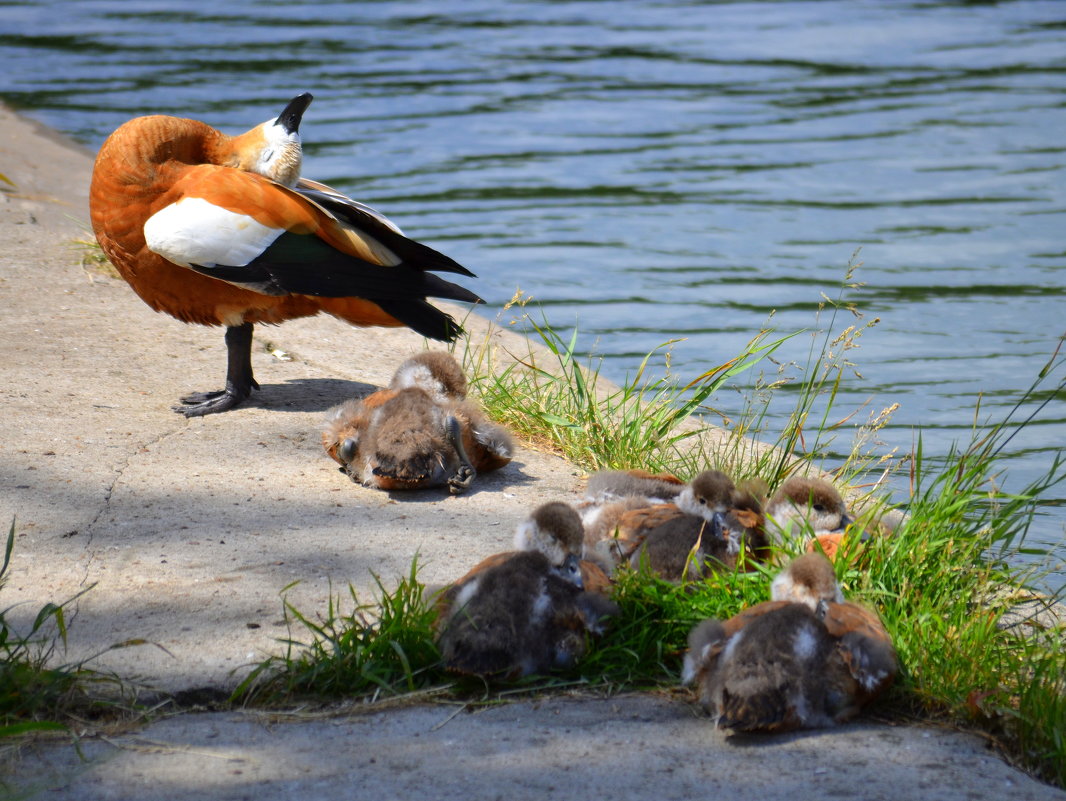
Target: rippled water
653, 170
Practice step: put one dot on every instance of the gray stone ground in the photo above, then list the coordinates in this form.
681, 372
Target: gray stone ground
188, 531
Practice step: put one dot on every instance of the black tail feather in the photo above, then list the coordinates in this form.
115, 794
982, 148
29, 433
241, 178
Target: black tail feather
421, 317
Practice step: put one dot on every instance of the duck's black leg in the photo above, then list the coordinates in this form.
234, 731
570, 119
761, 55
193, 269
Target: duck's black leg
239, 379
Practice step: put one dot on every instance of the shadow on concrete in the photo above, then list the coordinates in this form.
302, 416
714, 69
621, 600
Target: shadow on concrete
307, 394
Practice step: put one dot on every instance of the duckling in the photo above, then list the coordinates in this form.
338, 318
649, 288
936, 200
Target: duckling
804, 503
745, 521
805, 659
616, 484
621, 505
526, 611
809, 580
554, 529
420, 432
612, 493
805, 499
687, 540
815, 503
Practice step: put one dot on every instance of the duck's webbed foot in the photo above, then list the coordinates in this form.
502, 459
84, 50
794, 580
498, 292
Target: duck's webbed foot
239, 379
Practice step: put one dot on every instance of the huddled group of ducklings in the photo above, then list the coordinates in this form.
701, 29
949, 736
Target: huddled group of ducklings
805, 658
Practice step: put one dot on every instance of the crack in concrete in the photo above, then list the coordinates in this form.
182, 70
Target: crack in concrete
120, 473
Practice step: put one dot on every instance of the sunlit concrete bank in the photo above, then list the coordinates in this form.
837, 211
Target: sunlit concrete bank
184, 533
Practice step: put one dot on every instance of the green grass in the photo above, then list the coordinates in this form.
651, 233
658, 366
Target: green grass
32, 696
550, 397
35, 696
357, 648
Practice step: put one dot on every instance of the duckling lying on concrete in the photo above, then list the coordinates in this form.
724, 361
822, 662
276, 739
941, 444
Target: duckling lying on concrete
419, 432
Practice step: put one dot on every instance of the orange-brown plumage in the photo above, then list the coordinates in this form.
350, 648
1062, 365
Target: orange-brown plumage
163, 187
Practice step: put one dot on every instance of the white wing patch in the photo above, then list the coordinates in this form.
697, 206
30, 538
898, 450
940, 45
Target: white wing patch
195, 231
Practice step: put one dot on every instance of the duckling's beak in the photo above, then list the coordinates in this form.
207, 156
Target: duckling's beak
289, 119
845, 521
573, 564
718, 526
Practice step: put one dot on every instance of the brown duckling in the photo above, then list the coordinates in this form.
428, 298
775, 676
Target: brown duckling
687, 538
803, 660
420, 432
524, 611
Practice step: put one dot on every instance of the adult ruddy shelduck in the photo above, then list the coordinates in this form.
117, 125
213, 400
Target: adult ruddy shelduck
221, 230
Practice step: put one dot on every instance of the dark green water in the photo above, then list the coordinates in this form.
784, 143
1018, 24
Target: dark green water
654, 170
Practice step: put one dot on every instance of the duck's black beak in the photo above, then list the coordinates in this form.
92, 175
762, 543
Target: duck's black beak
289, 119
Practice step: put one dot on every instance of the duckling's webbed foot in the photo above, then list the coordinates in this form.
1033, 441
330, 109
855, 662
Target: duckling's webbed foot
464, 474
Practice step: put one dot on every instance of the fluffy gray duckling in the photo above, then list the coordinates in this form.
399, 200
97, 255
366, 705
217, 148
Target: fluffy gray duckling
805, 659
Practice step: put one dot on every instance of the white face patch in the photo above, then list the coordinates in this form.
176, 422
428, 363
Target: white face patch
688, 670
196, 231
781, 587
280, 157
530, 537
692, 664
523, 535
686, 501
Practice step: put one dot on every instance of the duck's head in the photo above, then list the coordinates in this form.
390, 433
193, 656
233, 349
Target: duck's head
708, 496
273, 149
